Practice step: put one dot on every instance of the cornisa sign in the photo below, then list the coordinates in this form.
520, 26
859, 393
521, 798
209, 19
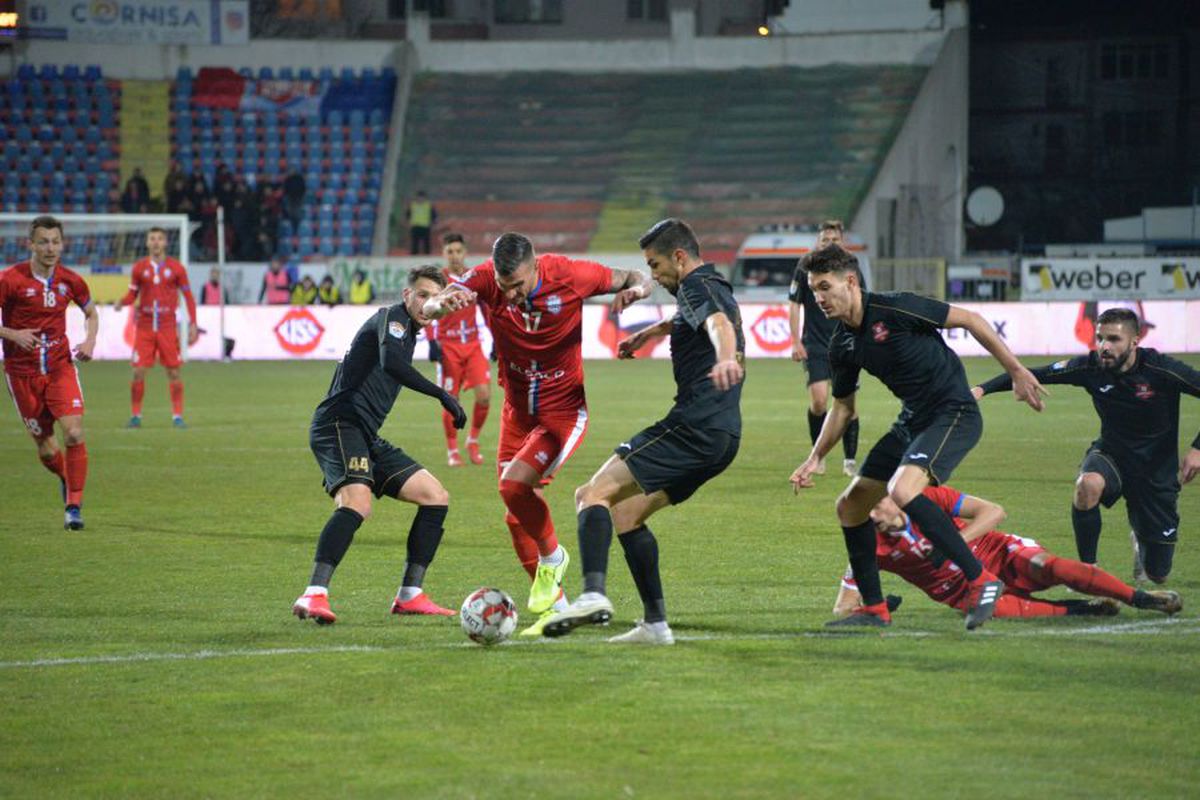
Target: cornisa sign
299, 332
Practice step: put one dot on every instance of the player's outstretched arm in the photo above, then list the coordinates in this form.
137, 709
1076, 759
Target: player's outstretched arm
629, 285
1026, 387
1072, 372
841, 411
447, 301
91, 326
728, 371
628, 348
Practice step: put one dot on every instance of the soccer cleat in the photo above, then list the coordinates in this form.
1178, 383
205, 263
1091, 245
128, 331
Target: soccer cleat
981, 602
315, 606
547, 584
134, 422
588, 609
849, 467
1170, 603
644, 634
893, 602
421, 604
874, 616
178, 422
537, 627
73, 518
474, 454
1139, 569
454, 458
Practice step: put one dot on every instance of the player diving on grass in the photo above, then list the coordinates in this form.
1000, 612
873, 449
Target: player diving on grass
667, 462
896, 336
1024, 565
1135, 391
356, 462
534, 304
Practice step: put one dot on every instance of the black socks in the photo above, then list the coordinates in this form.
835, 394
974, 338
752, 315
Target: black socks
860, 546
641, 554
942, 533
424, 536
333, 544
1087, 532
595, 537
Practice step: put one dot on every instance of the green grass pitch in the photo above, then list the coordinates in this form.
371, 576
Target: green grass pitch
154, 655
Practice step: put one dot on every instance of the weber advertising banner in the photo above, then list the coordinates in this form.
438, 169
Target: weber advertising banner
1166, 278
140, 21
316, 332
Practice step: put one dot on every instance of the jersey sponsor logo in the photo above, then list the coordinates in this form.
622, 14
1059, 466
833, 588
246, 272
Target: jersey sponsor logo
554, 304
542, 456
537, 374
299, 332
880, 332
771, 330
1142, 391
397, 329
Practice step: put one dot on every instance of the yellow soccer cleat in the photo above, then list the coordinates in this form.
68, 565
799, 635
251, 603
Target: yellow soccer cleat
547, 584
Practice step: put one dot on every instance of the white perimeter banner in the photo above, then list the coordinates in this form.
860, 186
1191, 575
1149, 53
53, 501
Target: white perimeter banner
316, 332
201, 22
1161, 278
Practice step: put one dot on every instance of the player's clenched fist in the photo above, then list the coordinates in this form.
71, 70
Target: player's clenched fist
727, 374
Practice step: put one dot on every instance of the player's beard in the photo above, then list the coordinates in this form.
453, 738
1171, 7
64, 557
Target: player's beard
1118, 362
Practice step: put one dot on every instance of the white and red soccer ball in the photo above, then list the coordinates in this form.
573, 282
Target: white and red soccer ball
489, 616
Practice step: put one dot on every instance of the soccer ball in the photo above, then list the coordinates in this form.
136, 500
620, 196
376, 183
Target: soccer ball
489, 616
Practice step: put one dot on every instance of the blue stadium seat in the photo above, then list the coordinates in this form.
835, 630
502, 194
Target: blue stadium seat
345, 247
246, 72
71, 166
376, 117
306, 74
347, 74
325, 74
48, 72
265, 74
93, 73
305, 247
335, 118
286, 74
183, 74
26, 72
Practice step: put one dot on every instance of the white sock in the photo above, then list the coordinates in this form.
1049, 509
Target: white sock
554, 559
658, 627
472, 440
317, 590
589, 597
407, 593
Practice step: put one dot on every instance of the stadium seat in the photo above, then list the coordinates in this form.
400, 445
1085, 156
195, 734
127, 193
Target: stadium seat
325, 74
265, 74
93, 72
184, 74
26, 72
246, 72
286, 74
48, 72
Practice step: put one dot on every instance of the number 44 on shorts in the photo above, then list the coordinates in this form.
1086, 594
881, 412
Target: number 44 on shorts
359, 464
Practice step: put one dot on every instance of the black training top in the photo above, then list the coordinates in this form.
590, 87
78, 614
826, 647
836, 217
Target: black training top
1138, 408
698, 401
818, 328
369, 377
900, 344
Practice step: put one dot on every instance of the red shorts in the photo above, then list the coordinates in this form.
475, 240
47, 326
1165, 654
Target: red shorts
544, 443
463, 367
163, 343
1016, 571
41, 399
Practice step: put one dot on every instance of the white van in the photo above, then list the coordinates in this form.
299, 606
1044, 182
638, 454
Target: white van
767, 260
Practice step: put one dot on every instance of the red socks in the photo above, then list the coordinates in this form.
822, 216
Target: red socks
137, 391
1086, 578
532, 512
523, 543
77, 467
56, 464
176, 388
1010, 605
478, 417
451, 431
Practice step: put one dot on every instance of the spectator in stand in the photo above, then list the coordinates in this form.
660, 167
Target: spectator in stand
421, 216
224, 188
277, 286
177, 193
328, 293
136, 197
244, 222
361, 291
305, 292
293, 198
174, 175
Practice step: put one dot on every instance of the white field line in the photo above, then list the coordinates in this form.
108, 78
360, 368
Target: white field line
1139, 628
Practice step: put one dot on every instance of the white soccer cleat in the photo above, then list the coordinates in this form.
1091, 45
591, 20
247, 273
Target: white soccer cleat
590, 608
643, 633
1139, 570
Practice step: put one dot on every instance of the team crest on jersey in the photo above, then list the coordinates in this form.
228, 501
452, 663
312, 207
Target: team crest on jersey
1142, 391
554, 304
167, 272
880, 332
62, 289
397, 329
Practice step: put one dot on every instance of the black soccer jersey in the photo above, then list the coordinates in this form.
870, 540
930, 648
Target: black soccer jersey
1138, 408
818, 328
698, 401
899, 342
368, 378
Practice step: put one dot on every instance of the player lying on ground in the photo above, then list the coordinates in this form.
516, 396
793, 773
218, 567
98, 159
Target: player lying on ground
356, 462
1024, 565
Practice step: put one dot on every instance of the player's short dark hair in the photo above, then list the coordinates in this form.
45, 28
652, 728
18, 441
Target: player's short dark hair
831, 225
428, 271
45, 221
669, 235
451, 238
830, 259
157, 229
1120, 316
510, 251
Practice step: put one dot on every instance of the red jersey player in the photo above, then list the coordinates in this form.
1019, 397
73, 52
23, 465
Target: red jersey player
463, 364
535, 307
155, 285
1024, 565
38, 368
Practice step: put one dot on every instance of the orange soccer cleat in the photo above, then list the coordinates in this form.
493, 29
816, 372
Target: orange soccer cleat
454, 458
474, 454
421, 604
315, 606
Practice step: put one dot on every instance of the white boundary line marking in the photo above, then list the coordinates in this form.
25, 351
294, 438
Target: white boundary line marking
1137, 628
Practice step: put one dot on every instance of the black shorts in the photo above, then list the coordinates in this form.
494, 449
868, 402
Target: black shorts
345, 456
677, 458
817, 365
1152, 507
938, 448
